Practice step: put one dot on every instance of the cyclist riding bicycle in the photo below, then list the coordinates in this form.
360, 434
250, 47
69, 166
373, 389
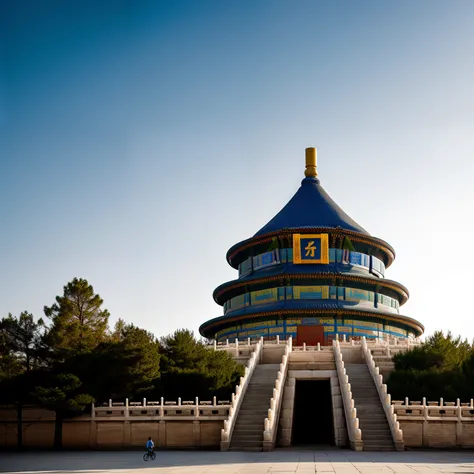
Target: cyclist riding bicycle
150, 445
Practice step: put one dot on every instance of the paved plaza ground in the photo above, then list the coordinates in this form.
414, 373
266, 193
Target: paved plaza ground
329, 461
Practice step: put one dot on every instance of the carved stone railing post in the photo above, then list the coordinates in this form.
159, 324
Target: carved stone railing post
354, 432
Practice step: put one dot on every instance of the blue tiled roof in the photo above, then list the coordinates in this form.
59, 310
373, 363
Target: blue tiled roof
329, 305
311, 206
292, 269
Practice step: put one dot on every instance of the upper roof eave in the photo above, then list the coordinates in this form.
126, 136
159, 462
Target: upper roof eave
261, 279
385, 247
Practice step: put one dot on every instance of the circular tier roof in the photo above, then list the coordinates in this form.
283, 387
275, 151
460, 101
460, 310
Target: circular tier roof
311, 206
291, 309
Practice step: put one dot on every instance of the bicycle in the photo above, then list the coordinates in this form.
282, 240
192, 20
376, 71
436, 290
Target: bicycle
148, 455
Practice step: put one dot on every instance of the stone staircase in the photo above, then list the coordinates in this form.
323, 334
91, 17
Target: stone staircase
376, 434
383, 361
248, 430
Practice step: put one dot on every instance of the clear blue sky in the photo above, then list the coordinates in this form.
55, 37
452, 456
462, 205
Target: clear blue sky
140, 140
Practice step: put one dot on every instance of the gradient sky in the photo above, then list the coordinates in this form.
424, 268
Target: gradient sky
140, 140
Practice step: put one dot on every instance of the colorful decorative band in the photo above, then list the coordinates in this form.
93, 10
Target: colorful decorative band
345, 257
271, 295
331, 326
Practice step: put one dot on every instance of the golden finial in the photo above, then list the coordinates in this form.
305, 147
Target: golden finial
310, 170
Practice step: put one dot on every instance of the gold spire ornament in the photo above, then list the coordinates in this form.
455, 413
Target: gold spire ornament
311, 171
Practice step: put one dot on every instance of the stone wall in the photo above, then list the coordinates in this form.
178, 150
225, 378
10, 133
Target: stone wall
92, 433
437, 434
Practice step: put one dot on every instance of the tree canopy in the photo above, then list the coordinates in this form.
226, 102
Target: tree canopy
442, 367
79, 322
61, 394
189, 369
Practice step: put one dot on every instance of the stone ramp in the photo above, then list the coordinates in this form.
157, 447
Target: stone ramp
248, 430
376, 434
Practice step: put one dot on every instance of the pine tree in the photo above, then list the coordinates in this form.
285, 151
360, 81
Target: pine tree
60, 394
79, 323
22, 339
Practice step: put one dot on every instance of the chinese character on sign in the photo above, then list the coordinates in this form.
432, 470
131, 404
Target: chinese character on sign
310, 249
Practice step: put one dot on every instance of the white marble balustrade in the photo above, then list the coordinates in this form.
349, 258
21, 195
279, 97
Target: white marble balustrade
271, 422
353, 430
434, 410
162, 410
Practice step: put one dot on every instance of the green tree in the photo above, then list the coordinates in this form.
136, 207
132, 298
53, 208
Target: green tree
10, 365
468, 375
79, 322
440, 368
438, 352
23, 338
124, 366
190, 369
142, 350
21, 351
117, 333
181, 351
61, 396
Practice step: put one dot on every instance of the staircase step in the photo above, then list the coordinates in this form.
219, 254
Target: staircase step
249, 442
246, 448
248, 430
379, 434
366, 400
381, 431
379, 448
255, 393
375, 438
252, 403
377, 442
260, 407
253, 416
375, 429
247, 437
365, 397
248, 422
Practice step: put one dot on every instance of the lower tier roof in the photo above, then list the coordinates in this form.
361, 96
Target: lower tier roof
292, 308
295, 272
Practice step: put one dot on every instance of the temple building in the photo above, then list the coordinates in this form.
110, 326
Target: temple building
310, 273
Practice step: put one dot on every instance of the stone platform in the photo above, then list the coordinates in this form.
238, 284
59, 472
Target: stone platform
335, 461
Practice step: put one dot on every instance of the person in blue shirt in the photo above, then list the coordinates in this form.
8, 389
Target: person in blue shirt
150, 445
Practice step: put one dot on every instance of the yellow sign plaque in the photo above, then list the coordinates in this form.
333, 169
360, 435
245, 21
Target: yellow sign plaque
311, 248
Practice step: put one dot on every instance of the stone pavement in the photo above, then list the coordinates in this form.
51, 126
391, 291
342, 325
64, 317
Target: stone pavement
330, 461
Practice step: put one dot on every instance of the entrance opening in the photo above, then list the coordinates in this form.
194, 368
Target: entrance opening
310, 335
312, 415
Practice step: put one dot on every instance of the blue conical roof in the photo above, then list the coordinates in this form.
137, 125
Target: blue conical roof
311, 206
